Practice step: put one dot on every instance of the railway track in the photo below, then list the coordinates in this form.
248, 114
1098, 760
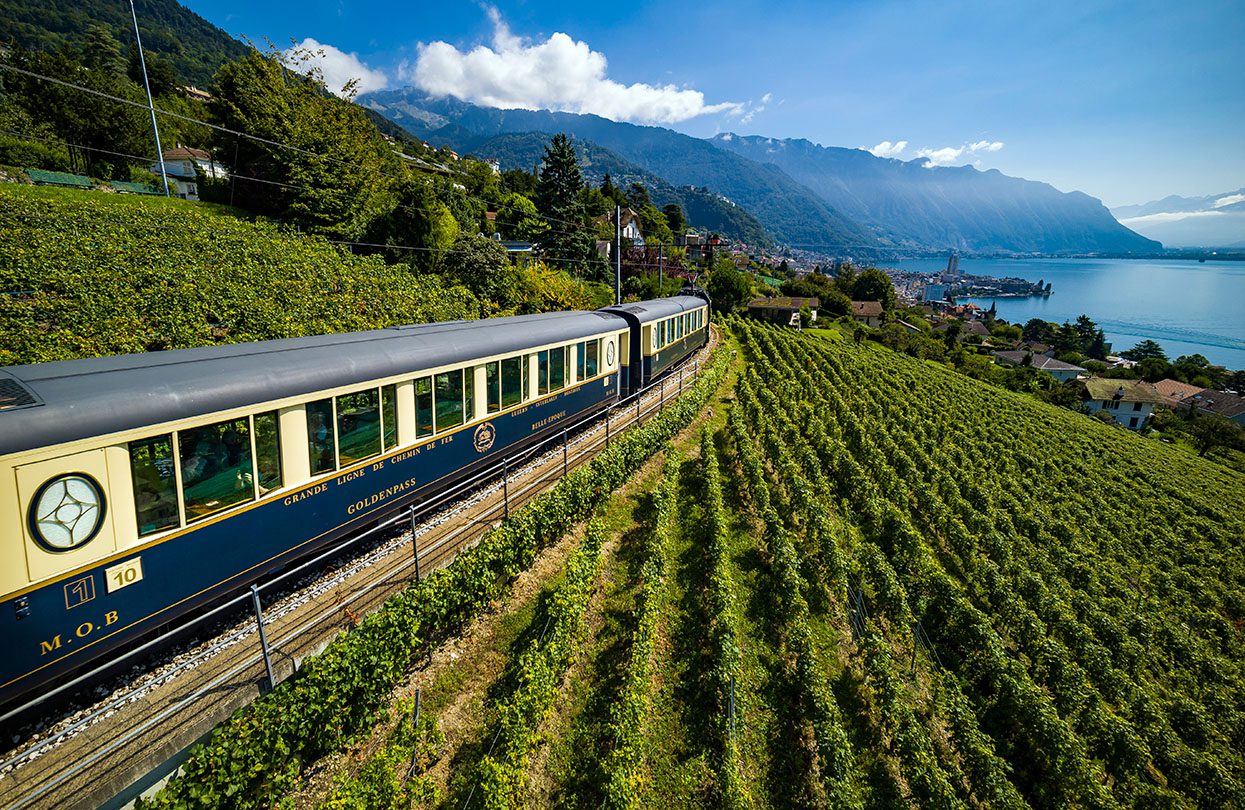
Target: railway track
139, 730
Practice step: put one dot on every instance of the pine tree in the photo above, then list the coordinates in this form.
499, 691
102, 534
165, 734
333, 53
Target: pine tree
568, 241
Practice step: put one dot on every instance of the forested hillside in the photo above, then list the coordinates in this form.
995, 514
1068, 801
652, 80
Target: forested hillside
191, 45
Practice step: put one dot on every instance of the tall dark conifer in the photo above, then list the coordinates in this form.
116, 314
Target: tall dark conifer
569, 241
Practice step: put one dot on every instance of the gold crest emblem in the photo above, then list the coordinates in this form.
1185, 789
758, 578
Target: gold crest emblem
484, 437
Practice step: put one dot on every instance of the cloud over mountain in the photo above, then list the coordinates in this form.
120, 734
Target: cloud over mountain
337, 67
559, 74
949, 155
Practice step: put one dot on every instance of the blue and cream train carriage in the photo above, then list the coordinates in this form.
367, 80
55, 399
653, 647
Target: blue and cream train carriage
134, 488
665, 331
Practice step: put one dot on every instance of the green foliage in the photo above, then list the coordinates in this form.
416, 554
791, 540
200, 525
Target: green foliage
1079, 593
558, 200
98, 274
338, 177
624, 777
194, 47
874, 285
502, 774
255, 757
728, 288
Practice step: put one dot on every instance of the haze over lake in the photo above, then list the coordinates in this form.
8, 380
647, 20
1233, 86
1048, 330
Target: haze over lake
1187, 306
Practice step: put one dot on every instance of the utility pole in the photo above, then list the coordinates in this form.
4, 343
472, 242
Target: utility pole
151, 107
661, 265
617, 254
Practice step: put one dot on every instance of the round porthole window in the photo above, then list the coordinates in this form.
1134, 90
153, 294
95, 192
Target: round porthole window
67, 512
609, 353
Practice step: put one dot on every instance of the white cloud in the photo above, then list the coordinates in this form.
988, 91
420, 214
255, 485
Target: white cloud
886, 149
1228, 200
765, 99
950, 155
337, 68
557, 74
1171, 216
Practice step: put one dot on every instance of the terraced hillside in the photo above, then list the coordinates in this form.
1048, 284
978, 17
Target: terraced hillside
857, 581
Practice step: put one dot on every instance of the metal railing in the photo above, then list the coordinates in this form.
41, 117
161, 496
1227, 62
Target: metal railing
576, 443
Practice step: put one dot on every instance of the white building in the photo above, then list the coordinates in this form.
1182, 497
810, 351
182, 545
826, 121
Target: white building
1131, 402
183, 166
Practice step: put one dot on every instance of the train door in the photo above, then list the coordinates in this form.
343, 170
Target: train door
67, 520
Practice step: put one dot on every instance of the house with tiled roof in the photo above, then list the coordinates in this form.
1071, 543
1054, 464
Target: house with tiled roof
867, 312
1129, 402
784, 310
1056, 368
183, 165
1173, 391
1218, 403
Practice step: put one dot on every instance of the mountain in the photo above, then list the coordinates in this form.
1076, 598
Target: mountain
705, 210
1214, 221
194, 46
945, 207
788, 210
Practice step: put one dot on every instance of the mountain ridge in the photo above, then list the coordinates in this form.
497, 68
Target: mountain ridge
955, 207
1216, 220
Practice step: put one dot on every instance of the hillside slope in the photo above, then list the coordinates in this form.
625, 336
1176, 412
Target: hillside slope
953, 207
788, 210
194, 46
91, 274
705, 210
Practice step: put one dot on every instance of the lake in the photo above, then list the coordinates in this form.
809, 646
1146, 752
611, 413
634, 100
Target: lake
1187, 306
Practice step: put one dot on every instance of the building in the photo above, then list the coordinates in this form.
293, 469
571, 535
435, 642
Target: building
1217, 403
867, 312
782, 310
1056, 368
1174, 391
934, 291
183, 166
1130, 402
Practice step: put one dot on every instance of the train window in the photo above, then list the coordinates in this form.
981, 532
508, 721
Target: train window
449, 399
268, 451
155, 488
469, 395
513, 381
581, 350
557, 368
358, 426
542, 372
593, 350
216, 467
321, 448
492, 382
423, 407
389, 415
661, 335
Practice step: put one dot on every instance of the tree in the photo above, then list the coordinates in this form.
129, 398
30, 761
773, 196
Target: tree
337, 179
518, 219
101, 51
874, 285
676, 221
1098, 346
1037, 330
728, 288
637, 196
568, 240
1143, 350
1211, 431
482, 266
160, 73
612, 193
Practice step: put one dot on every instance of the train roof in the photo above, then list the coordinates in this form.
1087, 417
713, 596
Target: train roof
657, 309
77, 399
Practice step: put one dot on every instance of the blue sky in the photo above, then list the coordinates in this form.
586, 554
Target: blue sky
1127, 101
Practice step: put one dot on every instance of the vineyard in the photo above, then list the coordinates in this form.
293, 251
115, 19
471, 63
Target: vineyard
857, 580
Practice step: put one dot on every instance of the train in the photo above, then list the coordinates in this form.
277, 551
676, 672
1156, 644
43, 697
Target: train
137, 488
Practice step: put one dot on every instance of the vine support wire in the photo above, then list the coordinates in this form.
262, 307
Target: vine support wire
263, 636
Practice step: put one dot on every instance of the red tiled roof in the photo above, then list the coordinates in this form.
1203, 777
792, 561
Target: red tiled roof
1217, 402
1174, 390
185, 152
